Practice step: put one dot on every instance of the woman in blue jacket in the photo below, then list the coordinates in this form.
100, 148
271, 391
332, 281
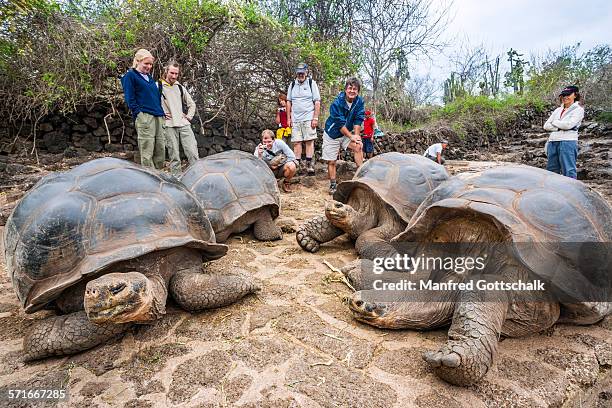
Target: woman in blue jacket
143, 97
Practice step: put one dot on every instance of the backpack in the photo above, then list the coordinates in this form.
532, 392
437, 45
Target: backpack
161, 94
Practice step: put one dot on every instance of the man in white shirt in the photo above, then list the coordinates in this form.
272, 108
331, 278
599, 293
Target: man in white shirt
434, 152
303, 108
562, 144
175, 101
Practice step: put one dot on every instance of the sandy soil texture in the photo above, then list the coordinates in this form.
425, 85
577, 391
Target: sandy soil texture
295, 344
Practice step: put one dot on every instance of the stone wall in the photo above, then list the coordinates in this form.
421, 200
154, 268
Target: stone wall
96, 130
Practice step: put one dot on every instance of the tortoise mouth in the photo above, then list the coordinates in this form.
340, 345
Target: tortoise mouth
107, 314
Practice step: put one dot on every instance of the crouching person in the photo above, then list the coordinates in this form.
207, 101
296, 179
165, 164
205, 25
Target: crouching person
279, 157
346, 112
179, 109
434, 152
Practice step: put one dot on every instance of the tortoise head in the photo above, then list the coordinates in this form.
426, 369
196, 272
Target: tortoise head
121, 298
340, 214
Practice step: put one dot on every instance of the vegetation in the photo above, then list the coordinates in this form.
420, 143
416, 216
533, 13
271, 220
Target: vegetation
59, 55
56, 55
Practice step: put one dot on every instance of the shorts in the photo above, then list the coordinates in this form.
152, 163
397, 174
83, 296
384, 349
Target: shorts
302, 132
331, 147
279, 172
368, 146
436, 159
283, 132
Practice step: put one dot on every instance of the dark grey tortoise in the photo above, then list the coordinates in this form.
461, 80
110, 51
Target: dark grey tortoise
549, 227
237, 190
104, 244
376, 204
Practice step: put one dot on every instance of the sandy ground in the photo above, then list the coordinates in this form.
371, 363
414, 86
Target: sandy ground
295, 344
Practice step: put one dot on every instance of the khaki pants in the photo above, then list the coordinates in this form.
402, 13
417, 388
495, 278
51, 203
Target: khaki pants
151, 140
176, 136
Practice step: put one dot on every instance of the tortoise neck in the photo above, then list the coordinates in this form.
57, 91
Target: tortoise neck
160, 266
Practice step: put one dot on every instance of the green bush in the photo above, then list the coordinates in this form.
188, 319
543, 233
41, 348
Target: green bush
481, 114
605, 117
56, 55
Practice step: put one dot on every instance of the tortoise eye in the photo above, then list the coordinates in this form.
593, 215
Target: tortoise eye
117, 288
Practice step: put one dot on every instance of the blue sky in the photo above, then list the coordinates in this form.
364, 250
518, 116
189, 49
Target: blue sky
529, 26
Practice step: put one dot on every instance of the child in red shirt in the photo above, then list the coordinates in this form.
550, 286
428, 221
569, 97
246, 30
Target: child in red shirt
369, 124
284, 130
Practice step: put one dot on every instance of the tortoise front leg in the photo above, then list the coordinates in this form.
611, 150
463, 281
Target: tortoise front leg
375, 243
316, 231
264, 227
196, 291
477, 322
67, 334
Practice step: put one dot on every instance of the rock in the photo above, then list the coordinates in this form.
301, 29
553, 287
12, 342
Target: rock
113, 148
79, 128
45, 127
101, 131
90, 143
345, 167
55, 142
603, 352
70, 152
91, 122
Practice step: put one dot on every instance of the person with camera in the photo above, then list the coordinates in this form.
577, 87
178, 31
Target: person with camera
278, 156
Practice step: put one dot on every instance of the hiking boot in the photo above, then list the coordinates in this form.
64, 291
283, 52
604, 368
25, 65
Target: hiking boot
332, 188
311, 170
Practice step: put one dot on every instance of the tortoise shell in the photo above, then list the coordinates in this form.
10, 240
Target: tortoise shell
77, 223
230, 184
400, 180
547, 217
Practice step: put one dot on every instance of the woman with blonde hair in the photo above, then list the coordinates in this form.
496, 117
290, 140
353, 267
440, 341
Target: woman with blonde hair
143, 97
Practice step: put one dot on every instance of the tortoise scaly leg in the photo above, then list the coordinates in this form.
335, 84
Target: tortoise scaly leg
197, 291
67, 334
264, 227
316, 231
473, 336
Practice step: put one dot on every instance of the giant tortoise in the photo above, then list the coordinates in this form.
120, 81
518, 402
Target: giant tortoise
103, 244
537, 226
237, 190
376, 204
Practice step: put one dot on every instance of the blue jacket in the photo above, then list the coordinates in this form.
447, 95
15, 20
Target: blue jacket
340, 115
140, 95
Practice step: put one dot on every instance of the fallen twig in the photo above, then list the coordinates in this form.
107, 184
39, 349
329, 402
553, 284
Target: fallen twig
291, 384
333, 337
342, 277
332, 267
328, 363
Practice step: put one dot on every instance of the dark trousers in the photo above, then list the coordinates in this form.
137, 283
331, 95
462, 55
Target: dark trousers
436, 159
562, 157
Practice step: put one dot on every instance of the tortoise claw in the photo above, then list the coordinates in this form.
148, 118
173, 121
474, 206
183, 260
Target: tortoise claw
438, 359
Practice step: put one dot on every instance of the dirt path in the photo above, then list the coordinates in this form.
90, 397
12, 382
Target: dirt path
296, 345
